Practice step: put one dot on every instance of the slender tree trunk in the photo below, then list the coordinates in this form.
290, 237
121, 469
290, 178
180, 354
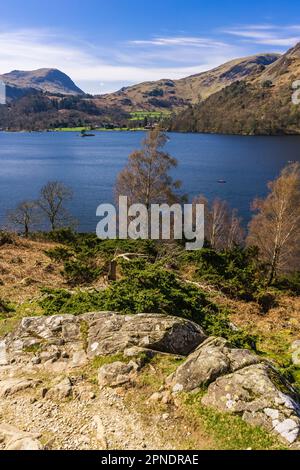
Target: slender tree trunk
273, 271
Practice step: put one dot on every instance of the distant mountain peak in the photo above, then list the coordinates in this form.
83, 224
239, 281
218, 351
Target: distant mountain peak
48, 80
172, 95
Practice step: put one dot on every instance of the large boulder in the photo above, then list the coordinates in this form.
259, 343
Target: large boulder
261, 396
75, 339
212, 359
111, 333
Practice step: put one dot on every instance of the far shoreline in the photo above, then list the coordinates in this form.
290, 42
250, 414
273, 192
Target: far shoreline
139, 129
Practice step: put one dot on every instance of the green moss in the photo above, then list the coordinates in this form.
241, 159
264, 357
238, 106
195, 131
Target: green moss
34, 348
161, 367
84, 332
100, 361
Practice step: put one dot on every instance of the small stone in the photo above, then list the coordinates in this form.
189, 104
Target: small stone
177, 388
115, 374
61, 391
44, 392
289, 430
79, 359
167, 398
156, 396
274, 414
36, 360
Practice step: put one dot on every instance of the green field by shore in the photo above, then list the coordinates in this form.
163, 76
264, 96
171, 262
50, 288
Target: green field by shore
98, 129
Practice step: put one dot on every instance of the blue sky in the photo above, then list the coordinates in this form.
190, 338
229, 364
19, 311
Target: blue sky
104, 45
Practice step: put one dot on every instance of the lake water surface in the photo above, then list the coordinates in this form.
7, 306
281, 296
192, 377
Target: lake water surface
90, 166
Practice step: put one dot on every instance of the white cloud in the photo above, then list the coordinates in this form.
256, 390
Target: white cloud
98, 69
179, 41
271, 35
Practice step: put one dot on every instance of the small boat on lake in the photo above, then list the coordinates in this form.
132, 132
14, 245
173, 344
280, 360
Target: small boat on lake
222, 181
84, 133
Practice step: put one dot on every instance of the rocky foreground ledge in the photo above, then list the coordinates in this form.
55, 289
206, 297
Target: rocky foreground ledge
40, 363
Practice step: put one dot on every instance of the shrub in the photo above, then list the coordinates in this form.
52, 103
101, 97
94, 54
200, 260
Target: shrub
148, 288
63, 235
237, 272
6, 238
266, 300
78, 272
59, 254
289, 283
5, 307
54, 300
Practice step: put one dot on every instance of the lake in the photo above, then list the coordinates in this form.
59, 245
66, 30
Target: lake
90, 166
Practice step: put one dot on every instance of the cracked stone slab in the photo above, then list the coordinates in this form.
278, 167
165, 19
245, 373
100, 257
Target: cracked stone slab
14, 385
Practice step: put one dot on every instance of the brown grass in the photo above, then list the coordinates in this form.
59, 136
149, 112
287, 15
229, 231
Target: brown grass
24, 269
285, 317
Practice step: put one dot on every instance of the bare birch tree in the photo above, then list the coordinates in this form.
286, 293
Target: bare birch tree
222, 225
53, 196
275, 230
235, 233
24, 217
146, 179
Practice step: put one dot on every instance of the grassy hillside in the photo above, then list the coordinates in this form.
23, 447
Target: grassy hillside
261, 105
173, 95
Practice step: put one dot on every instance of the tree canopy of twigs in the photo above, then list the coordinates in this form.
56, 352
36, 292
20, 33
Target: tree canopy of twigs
275, 229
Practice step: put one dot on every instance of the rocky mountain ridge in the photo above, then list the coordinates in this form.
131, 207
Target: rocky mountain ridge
45, 80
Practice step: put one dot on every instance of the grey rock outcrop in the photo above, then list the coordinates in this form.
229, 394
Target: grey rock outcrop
236, 380
212, 359
111, 333
74, 340
239, 382
261, 396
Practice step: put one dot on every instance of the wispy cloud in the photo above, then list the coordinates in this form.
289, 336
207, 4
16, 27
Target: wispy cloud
97, 69
100, 68
179, 41
271, 35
